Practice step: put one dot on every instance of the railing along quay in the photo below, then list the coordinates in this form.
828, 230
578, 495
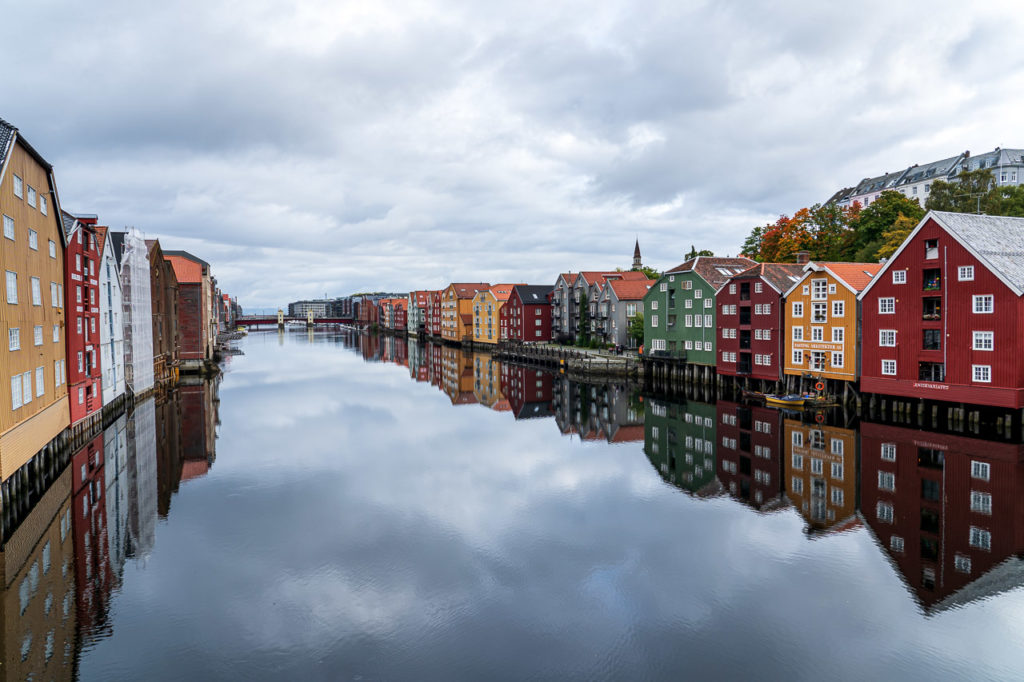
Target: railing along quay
571, 361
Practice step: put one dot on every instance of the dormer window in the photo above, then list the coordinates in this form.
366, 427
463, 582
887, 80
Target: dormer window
931, 248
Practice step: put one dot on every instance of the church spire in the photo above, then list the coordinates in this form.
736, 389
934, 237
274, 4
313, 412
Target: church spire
636, 256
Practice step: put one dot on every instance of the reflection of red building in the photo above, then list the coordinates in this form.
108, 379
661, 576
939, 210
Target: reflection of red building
198, 428
369, 346
94, 577
81, 287
947, 509
528, 391
433, 351
750, 454
168, 449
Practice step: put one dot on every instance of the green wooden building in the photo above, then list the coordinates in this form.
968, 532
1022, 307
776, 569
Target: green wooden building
679, 311
680, 442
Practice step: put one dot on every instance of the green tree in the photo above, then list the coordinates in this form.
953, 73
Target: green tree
966, 195
584, 335
650, 272
894, 237
694, 253
636, 328
1006, 200
872, 222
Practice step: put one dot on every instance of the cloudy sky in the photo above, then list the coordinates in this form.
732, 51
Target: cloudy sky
329, 147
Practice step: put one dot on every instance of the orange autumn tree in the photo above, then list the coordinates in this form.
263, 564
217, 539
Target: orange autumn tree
821, 230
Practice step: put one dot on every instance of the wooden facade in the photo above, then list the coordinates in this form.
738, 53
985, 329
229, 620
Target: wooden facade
487, 306
822, 321
527, 315
926, 337
457, 310
81, 299
164, 299
750, 454
820, 464
33, 260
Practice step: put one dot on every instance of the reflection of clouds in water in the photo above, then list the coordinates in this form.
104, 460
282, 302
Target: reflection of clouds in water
377, 528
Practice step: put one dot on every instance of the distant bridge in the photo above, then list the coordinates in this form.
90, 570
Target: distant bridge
271, 320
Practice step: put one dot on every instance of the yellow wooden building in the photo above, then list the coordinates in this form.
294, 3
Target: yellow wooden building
487, 306
820, 467
457, 310
35, 407
822, 321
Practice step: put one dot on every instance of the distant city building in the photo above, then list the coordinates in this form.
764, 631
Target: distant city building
1007, 166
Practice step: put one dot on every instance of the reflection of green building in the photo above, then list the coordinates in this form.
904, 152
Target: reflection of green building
679, 440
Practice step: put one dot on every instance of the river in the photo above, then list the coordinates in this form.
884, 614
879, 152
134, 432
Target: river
350, 507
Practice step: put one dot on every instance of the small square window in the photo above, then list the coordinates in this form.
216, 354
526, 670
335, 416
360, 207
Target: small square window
965, 273
899, 276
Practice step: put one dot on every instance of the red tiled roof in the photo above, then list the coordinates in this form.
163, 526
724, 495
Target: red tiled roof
101, 238
467, 290
501, 292
569, 277
599, 276
187, 271
628, 290
194, 468
628, 434
856, 275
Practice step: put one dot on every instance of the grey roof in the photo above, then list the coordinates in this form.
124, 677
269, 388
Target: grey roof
69, 223
996, 240
535, 410
877, 184
117, 244
186, 254
533, 294
6, 135
936, 170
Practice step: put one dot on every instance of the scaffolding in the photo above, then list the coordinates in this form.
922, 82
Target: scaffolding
136, 291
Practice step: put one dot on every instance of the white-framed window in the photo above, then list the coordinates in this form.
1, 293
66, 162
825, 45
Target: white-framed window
889, 452
837, 497
56, 333
699, 293
886, 480
26, 388
837, 359
889, 367
798, 439
961, 563
81, 364
12, 287
798, 356
797, 485
838, 308
983, 303
79, 325
886, 337
980, 470
982, 373
838, 334
31, 199
798, 309
766, 334
817, 466
837, 467
983, 341
732, 288
42, 205
798, 461
654, 304
884, 512
40, 382
707, 321
19, 187
965, 273
60, 295
708, 303
9, 227
81, 395
33, 240
831, 288
654, 321
78, 294
798, 333
887, 305
37, 335
56, 374
37, 294
819, 289
16, 391
817, 333
663, 286
53, 249
688, 303
981, 502
819, 313
899, 276
980, 538
807, 289
896, 543
13, 338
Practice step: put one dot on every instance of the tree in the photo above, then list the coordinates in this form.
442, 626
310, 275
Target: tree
584, 335
874, 220
694, 253
894, 237
1006, 200
966, 195
650, 272
636, 328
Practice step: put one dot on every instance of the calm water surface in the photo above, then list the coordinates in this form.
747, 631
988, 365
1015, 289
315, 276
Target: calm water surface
430, 514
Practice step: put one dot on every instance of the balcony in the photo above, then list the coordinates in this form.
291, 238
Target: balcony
931, 308
932, 280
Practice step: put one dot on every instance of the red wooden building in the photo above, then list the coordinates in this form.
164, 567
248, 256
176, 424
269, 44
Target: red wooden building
94, 577
433, 314
750, 455
369, 313
947, 509
526, 316
943, 319
81, 287
752, 321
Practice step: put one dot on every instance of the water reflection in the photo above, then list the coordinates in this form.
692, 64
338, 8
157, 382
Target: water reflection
952, 527
63, 564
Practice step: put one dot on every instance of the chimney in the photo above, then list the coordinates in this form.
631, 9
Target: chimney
803, 257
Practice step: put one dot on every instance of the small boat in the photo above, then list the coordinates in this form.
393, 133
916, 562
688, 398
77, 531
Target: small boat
791, 400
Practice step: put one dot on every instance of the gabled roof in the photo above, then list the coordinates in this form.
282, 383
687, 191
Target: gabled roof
467, 290
780, 276
627, 290
500, 292
117, 245
712, 269
101, 238
996, 241
189, 256
186, 270
569, 277
9, 135
6, 137
69, 222
533, 294
592, 277
853, 276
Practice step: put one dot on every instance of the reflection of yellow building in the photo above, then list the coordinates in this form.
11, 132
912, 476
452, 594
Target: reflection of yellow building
487, 382
38, 567
457, 375
821, 320
486, 309
821, 473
